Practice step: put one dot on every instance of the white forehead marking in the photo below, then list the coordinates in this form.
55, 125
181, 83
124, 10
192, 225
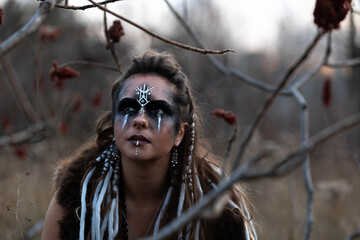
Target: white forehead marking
143, 93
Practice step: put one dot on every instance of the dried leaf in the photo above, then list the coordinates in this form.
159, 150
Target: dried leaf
116, 31
1, 16
97, 99
49, 33
20, 152
329, 13
59, 76
229, 117
63, 128
5, 123
327, 93
78, 103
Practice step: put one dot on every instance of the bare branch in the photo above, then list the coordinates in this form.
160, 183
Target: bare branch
304, 132
229, 148
88, 63
219, 66
44, 9
110, 45
346, 63
17, 209
263, 110
354, 235
33, 133
20, 94
84, 7
291, 161
180, 45
36, 228
306, 77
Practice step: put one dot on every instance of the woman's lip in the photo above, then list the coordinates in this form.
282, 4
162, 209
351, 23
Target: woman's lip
138, 139
138, 142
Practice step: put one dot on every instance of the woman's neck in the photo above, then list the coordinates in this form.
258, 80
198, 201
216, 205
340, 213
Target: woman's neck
144, 181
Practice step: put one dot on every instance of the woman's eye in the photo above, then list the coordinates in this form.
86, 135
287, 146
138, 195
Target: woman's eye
159, 112
129, 109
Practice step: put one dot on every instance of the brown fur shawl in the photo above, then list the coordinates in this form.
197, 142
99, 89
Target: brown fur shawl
68, 179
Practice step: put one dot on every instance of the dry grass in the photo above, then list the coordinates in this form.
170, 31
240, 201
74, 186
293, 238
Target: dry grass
26, 189
281, 203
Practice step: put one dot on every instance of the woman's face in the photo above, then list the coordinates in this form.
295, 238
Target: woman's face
145, 118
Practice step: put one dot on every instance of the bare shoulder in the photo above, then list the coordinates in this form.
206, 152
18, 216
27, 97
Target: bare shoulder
51, 228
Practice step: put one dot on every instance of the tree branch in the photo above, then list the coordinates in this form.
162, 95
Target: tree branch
354, 235
110, 45
34, 23
346, 63
177, 44
88, 63
263, 110
20, 94
242, 173
304, 132
33, 133
65, 6
291, 161
219, 66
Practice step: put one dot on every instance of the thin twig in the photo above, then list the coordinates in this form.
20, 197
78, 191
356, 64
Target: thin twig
17, 208
346, 63
88, 63
354, 235
38, 80
265, 107
33, 133
243, 173
292, 160
306, 77
228, 150
219, 66
36, 228
84, 7
304, 132
19, 91
177, 44
34, 23
109, 44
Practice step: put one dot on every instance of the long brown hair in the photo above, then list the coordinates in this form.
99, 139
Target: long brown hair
165, 65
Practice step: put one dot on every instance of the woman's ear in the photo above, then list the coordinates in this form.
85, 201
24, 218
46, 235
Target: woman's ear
180, 134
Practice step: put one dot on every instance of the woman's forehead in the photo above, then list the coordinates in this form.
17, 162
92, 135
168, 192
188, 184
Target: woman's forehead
151, 86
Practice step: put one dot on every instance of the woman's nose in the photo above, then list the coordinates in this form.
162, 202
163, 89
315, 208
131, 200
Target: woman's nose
140, 121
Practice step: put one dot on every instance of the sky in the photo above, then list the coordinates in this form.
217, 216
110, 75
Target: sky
257, 20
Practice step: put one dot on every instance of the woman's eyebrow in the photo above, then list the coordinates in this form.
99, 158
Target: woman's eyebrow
125, 100
160, 102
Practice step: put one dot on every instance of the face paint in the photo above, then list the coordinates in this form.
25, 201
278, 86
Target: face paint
157, 111
143, 93
142, 110
159, 121
124, 122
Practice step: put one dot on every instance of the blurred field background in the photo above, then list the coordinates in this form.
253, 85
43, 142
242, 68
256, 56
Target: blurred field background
26, 170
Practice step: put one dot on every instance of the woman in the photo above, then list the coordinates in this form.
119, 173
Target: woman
146, 168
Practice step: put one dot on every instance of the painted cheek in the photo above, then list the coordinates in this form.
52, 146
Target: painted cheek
124, 121
159, 122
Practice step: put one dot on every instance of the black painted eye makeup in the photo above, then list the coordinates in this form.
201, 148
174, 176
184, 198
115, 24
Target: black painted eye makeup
128, 106
156, 110
159, 107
